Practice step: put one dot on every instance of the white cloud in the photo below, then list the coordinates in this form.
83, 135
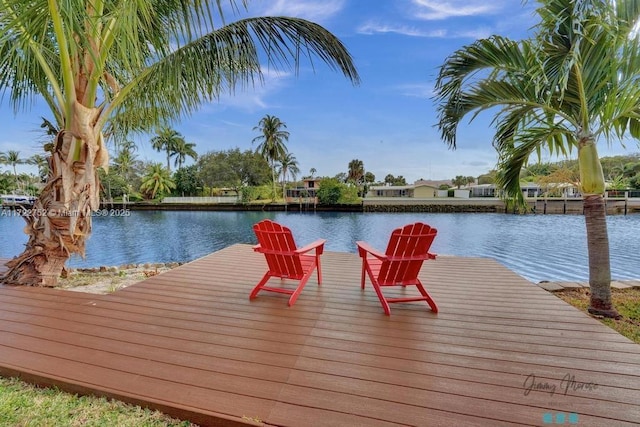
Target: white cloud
432, 10
308, 9
417, 90
371, 28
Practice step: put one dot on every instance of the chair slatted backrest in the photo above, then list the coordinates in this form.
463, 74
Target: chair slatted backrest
407, 249
277, 245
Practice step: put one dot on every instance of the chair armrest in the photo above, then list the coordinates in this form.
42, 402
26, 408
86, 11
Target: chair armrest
364, 248
318, 245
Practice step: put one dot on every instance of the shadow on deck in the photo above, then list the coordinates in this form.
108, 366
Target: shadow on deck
190, 343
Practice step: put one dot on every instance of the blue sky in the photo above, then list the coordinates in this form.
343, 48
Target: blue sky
387, 121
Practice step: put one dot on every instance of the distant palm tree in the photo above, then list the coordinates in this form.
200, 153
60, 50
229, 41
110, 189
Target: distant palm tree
272, 146
42, 163
125, 159
575, 81
288, 168
356, 171
12, 158
157, 181
356, 175
3, 158
127, 145
312, 171
181, 151
167, 140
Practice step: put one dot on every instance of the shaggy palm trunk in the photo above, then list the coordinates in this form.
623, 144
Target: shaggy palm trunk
593, 187
59, 222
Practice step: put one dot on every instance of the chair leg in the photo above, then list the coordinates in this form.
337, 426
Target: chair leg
319, 272
425, 294
383, 301
296, 293
364, 267
259, 286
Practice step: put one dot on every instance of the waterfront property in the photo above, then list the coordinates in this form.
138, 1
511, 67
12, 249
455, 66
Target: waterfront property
420, 189
500, 351
306, 194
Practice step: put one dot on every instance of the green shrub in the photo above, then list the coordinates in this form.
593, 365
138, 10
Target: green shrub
330, 191
349, 195
249, 194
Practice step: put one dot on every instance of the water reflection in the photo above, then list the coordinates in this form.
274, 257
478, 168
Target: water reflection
549, 247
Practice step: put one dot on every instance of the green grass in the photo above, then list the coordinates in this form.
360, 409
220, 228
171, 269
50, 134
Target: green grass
626, 301
25, 405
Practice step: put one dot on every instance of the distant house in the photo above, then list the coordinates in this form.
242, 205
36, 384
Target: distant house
307, 194
483, 190
529, 189
420, 189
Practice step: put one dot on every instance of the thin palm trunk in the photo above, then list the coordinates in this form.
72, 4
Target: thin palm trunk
284, 190
273, 178
15, 176
284, 183
599, 262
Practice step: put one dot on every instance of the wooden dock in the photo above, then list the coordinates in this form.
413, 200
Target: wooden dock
501, 351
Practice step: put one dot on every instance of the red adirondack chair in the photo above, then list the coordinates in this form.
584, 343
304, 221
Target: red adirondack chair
284, 259
400, 265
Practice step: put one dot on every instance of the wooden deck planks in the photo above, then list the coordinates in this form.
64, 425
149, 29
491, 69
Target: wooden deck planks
189, 342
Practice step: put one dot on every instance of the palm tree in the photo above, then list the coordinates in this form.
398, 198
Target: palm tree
288, 168
125, 159
572, 84
116, 67
182, 150
271, 146
356, 175
167, 140
12, 158
312, 171
3, 158
157, 181
127, 145
356, 171
42, 163
459, 181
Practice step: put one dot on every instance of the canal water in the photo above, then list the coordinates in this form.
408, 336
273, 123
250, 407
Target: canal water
538, 247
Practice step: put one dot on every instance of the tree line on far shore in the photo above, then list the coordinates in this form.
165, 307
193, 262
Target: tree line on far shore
252, 175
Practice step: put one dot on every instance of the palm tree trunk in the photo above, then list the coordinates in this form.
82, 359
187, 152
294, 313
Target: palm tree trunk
60, 220
273, 177
599, 262
284, 186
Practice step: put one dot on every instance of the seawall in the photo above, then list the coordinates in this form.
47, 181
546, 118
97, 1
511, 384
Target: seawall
571, 206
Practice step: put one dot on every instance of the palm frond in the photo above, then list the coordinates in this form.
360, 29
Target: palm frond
459, 87
515, 155
223, 60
